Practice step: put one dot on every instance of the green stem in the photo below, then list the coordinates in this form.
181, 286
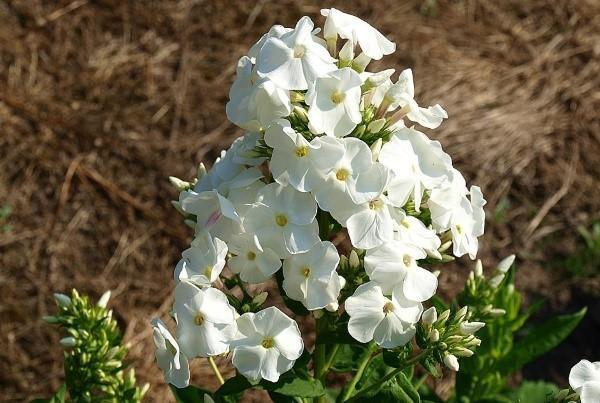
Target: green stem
386, 378
364, 360
329, 361
421, 380
215, 369
319, 357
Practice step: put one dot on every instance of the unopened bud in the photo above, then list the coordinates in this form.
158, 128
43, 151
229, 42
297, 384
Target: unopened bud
376, 148
376, 125
496, 280
478, 270
347, 53
332, 306
429, 316
460, 314
444, 317
434, 254
343, 262
434, 335
260, 299
467, 328
462, 352
103, 301
318, 313
190, 223
50, 319
300, 113
447, 258
497, 312
361, 62
62, 300
454, 339
436, 273
353, 259
68, 341
201, 171
505, 264
296, 96
561, 395
179, 184
451, 362
177, 206
445, 246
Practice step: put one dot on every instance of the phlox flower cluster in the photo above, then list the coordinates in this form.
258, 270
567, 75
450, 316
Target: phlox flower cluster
330, 148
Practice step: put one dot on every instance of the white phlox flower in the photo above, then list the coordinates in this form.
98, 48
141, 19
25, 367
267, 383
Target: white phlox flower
311, 277
371, 41
388, 321
168, 357
463, 216
401, 95
584, 379
412, 231
294, 60
417, 163
293, 159
276, 31
340, 179
283, 219
393, 266
252, 262
203, 261
334, 103
254, 104
267, 344
205, 320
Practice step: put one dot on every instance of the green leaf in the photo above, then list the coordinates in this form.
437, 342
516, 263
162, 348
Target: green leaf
408, 387
391, 392
346, 359
540, 340
191, 394
533, 392
59, 396
293, 384
233, 386
432, 367
396, 358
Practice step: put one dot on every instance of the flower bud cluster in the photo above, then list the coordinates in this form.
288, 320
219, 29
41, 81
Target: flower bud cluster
94, 356
449, 335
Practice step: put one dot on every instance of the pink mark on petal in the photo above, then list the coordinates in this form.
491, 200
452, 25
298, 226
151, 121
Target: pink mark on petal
213, 218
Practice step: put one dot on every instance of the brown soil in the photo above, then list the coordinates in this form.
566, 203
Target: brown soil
101, 100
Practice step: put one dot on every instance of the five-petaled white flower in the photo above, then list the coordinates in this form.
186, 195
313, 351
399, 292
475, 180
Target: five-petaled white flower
388, 321
205, 320
310, 277
294, 60
334, 103
203, 262
584, 378
252, 262
371, 41
283, 219
168, 357
412, 231
394, 267
417, 163
267, 344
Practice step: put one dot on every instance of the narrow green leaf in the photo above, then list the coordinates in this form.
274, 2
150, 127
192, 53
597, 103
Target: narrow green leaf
540, 340
408, 387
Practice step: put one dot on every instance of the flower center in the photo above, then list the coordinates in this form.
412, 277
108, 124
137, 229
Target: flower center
281, 220
305, 271
208, 271
376, 204
388, 307
251, 255
405, 223
459, 229
407, 260
299, 51
337, 97
342, 174
267, 342
301, 151
199, 319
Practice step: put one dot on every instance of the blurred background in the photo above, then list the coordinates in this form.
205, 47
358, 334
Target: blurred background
102, 100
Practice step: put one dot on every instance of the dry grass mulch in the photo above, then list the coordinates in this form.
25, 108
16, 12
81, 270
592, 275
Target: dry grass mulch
101, 100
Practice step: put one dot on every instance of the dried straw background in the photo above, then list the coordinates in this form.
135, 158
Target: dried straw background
101, 100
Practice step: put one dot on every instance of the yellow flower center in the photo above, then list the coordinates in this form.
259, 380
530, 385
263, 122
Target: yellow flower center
376, 204
299, 51
342, 174
267, 342
388, 307
305, 271
281, 220
251, 255
199, 319
405, 223
459, 228
208, 271
407, 260
301, 151
337, 97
